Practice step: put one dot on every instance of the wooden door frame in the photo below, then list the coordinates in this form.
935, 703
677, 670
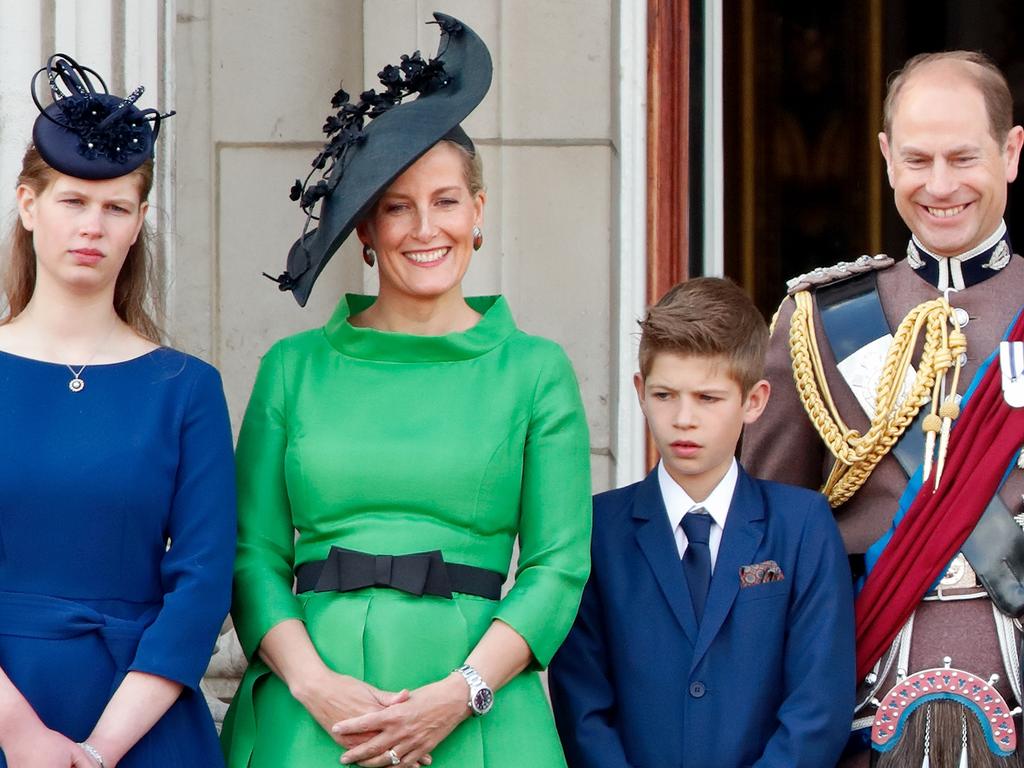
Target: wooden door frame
668, 142
668, 151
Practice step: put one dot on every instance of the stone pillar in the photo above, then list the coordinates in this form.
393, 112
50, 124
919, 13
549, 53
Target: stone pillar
253, 90
547, 131
128, 44
21, 42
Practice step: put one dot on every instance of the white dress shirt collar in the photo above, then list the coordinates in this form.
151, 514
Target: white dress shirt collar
678, 503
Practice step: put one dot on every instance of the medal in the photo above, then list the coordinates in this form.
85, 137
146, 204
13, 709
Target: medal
1011, 367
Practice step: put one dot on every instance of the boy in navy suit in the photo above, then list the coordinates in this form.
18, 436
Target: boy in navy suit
716, 630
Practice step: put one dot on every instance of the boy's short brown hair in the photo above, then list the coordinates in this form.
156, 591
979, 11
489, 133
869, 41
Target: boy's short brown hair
707, 317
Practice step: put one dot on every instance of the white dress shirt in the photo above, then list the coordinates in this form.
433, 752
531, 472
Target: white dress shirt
678, 503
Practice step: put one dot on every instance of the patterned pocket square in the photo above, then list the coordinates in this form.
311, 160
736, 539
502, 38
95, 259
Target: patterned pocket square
760, 573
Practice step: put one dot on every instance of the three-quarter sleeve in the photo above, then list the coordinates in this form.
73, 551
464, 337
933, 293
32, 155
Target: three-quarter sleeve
265, 559
555, 514
195, 571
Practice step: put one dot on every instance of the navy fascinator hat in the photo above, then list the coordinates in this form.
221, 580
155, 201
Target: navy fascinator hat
372, 142
89, 133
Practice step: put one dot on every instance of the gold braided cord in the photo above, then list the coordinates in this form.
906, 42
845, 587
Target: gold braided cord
857, 455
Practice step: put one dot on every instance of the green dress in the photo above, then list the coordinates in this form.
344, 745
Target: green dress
392, 444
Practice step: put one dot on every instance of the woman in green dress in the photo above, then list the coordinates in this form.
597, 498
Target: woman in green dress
388, 462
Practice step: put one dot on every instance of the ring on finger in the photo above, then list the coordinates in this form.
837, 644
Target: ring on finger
393, 756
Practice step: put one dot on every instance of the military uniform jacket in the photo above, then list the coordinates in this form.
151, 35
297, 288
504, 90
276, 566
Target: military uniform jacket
784, 446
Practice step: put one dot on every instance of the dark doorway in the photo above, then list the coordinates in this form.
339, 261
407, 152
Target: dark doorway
803, 86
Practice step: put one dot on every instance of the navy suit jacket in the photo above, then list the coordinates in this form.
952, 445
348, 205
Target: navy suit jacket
766, 680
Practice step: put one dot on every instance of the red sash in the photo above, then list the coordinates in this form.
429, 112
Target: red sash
987, 435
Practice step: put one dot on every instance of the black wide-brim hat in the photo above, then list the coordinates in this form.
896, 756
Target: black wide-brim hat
89, 133
389, 143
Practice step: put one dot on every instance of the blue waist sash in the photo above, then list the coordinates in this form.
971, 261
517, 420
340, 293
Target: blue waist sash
54, 618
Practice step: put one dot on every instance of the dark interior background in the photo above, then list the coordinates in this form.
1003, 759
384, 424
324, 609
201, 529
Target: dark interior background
810, 71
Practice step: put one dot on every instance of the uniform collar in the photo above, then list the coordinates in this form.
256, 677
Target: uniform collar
969, 268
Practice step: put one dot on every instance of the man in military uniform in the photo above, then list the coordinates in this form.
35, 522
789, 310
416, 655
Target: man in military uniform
871, 363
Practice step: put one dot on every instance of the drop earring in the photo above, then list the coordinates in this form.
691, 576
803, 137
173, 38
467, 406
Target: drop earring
369, 256
478, 238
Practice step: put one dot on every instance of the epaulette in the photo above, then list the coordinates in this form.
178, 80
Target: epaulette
844, 269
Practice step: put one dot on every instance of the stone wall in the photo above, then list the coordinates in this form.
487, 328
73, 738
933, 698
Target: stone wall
251, 81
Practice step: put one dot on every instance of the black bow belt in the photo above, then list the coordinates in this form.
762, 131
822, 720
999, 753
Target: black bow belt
423, 573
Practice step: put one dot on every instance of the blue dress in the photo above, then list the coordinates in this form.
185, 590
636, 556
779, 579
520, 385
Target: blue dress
93, 486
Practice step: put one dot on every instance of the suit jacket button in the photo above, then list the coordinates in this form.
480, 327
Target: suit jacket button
697, 689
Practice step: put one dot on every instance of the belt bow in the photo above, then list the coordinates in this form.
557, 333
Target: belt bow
422, 573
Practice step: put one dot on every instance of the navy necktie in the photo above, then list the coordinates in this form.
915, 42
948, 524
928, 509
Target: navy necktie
697, 557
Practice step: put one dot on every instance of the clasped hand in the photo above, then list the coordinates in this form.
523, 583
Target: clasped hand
410, 726
331, 697
44, 748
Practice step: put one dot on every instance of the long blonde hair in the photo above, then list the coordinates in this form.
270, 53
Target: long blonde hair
132, 289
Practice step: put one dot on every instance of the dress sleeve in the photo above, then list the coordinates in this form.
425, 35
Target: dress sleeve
554, 517
196, 569
266, 537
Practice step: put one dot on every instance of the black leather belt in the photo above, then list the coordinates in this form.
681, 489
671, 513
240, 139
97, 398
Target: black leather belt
858, 566
423, 573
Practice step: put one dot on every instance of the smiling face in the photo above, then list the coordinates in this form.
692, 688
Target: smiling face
696, 412
422, 228
82, 230
947, 171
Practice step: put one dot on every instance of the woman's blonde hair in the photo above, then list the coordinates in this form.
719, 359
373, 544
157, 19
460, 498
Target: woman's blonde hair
472, 167
132, 289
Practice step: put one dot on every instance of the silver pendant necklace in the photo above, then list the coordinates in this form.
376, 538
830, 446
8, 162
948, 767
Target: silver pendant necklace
77, 384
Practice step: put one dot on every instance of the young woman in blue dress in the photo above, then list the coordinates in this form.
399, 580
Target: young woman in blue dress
117, 510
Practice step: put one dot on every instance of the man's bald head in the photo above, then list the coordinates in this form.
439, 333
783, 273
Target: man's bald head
976, 67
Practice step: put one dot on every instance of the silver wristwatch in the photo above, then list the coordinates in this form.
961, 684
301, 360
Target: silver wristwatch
481, 697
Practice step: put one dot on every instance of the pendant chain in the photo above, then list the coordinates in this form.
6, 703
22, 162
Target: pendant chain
77, 384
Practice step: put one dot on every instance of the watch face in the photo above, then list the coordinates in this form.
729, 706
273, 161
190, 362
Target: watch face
482, 700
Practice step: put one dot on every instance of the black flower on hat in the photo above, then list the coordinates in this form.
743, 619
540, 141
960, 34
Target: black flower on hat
87, 133
345, 127
373, 140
